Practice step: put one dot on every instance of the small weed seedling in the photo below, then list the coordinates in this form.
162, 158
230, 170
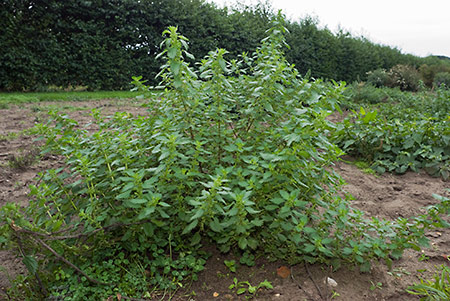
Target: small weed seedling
437, 289
231, 265
242, 287
398, 273
375, 286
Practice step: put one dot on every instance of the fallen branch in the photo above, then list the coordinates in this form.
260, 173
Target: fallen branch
312, 279
301, 287
38, 240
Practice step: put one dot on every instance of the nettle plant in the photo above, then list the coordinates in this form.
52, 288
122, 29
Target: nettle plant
235, 154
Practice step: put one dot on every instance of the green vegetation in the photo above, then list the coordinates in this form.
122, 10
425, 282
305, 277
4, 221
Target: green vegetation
100, 45
24, 159
235, 154
242, 287
16, 98
433, 290
407, 133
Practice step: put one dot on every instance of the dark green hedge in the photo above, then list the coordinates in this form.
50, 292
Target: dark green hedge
102, 43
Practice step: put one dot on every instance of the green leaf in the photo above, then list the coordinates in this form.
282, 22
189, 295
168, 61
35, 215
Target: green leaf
309, 248
199, 213
251, 210
215, 225
172, 52
284, 194
241, 291
148, 229
146, 212
31, 263
196, 239
223, 64
175, 68
423, 241
277, 201
242, 243
189, 227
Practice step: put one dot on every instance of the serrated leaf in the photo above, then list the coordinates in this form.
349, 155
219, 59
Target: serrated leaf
148, 229
199, 213
189, 227
196, 239
146, 212
215, 225
172, 53
242, 243
251, 210
284, 194
31, 263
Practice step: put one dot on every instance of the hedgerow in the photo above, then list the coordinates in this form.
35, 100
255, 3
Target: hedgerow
235, 154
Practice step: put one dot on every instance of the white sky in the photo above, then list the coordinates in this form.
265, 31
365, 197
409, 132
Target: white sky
417, 27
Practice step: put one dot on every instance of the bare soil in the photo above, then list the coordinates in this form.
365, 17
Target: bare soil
387, 196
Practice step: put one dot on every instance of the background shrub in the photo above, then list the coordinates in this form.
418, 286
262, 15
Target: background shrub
378, 78
404, 77
442, 78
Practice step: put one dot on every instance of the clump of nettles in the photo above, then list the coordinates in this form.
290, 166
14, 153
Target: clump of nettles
233, 154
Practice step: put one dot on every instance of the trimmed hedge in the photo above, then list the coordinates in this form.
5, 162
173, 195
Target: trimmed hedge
103, 43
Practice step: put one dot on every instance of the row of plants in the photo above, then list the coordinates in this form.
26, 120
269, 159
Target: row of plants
404, 131
234, 153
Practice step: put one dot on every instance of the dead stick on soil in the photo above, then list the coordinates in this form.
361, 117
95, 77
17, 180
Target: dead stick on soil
68, 262
301, 287
43, 289
312, 279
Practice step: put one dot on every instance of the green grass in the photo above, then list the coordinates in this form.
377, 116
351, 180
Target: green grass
21, 97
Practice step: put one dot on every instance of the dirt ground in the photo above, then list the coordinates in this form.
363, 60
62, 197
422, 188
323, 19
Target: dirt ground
387, 196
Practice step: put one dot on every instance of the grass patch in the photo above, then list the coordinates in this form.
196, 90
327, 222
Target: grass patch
365, 167
22, 97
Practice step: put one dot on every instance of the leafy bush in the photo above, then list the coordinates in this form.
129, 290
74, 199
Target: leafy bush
378, 78
404, 77
237, 158
429, 72
442, 78
358, 94
365, 93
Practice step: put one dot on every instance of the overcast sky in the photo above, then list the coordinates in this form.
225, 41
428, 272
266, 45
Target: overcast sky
417, 27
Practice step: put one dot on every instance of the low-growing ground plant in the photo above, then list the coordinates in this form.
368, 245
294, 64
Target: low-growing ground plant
235, 154
411, 134
437, 289
24, 159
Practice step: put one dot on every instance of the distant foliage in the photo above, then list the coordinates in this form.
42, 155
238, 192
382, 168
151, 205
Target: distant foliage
428, 72
102, 44
378, 78
442, 79
404, 77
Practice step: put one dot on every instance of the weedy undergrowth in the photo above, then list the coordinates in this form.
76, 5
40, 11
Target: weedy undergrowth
436, 289
234, 153
412, 134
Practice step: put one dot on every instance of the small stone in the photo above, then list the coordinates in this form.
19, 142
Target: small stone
331, 282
